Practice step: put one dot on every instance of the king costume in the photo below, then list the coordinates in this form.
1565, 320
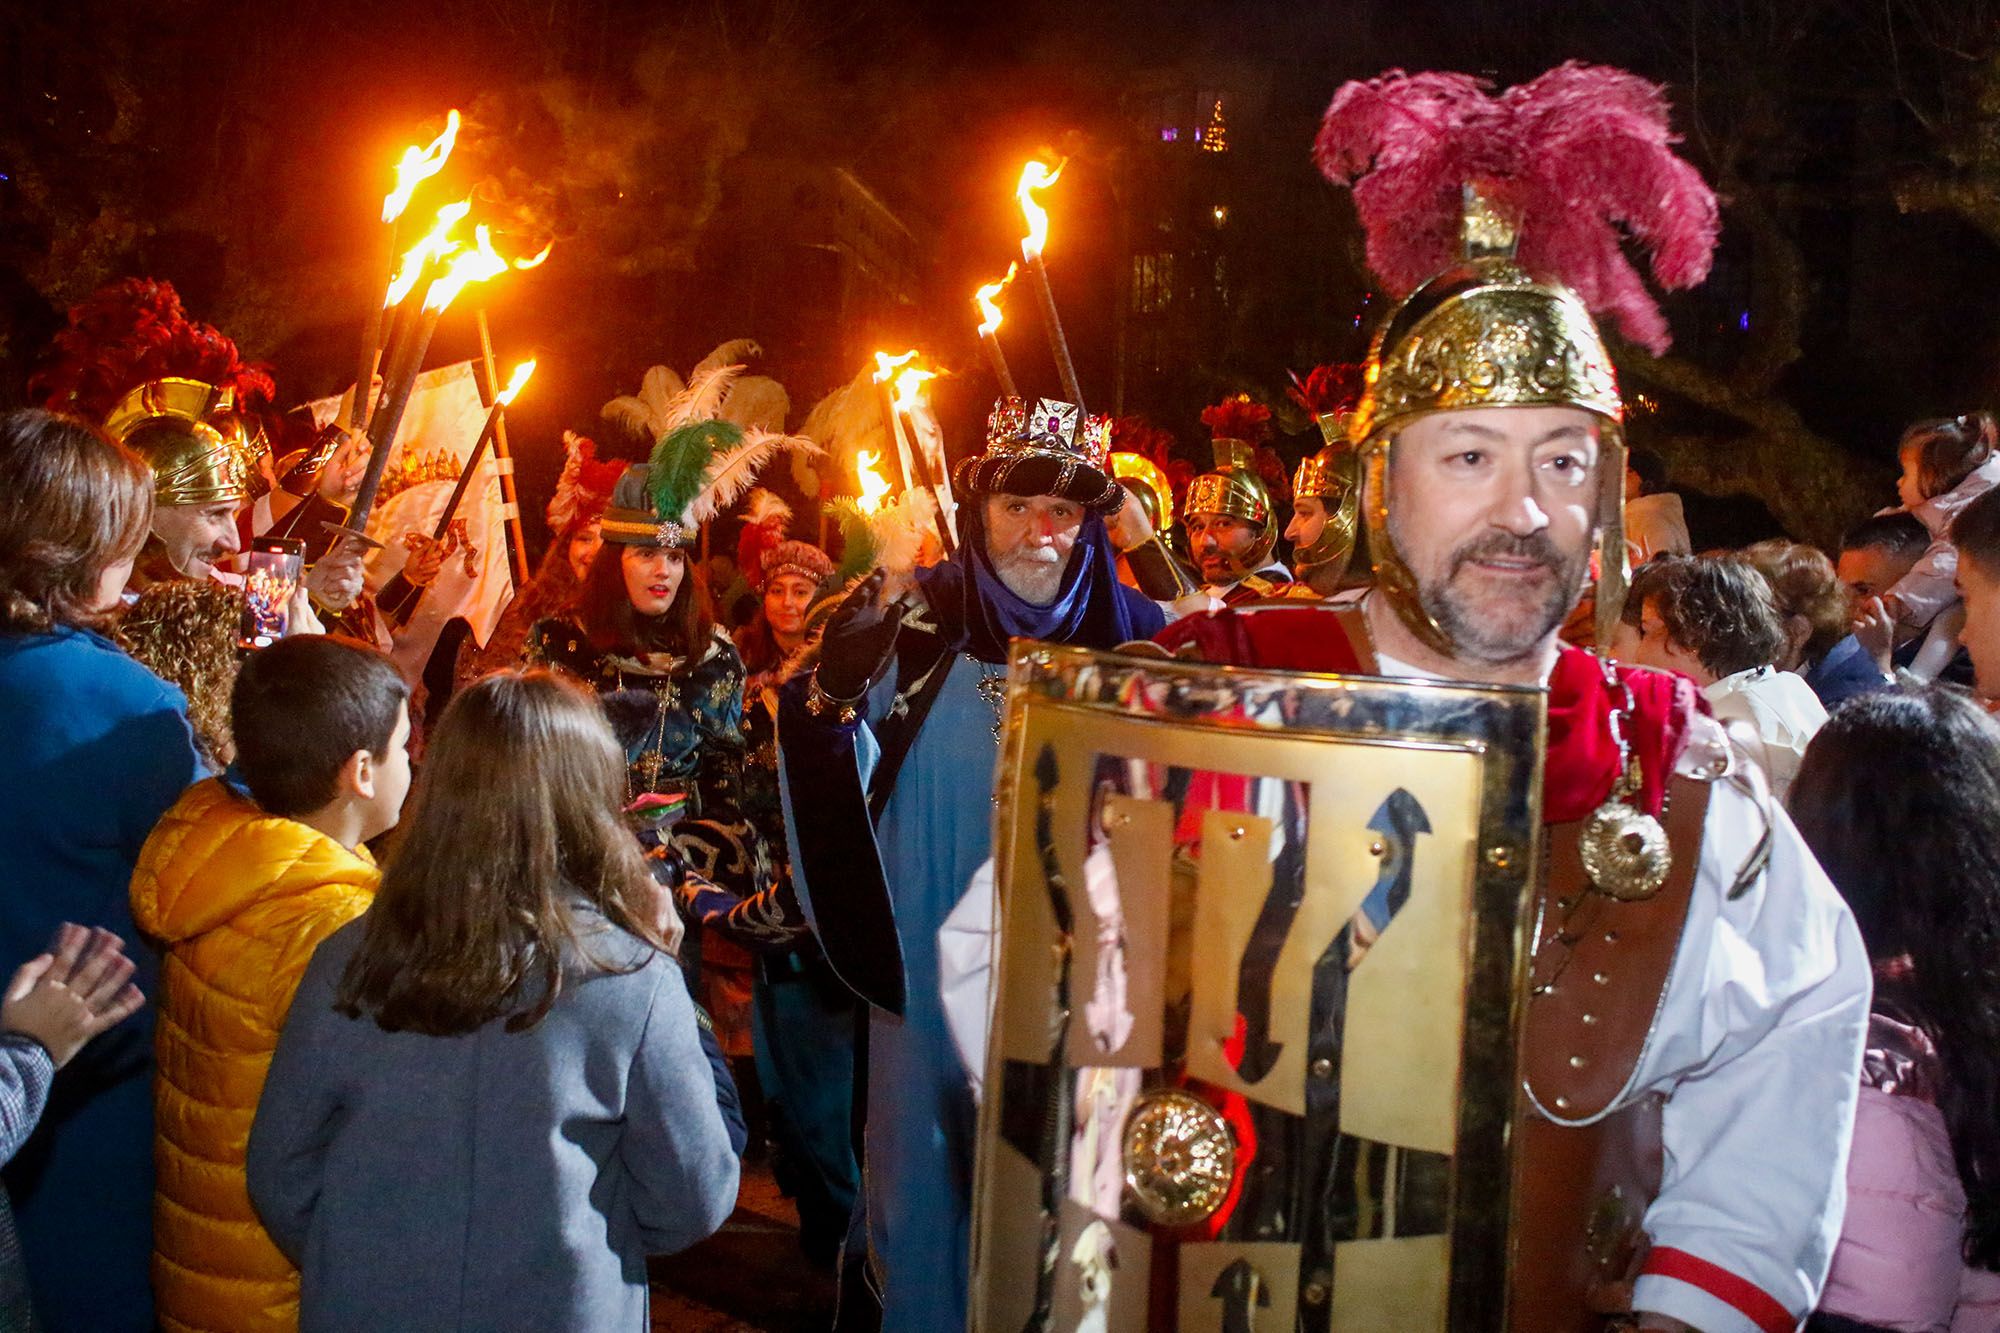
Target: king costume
889, 807
1698, 993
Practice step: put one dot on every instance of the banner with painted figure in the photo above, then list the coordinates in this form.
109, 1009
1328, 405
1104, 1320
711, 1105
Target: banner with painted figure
1252, 1062
476, 580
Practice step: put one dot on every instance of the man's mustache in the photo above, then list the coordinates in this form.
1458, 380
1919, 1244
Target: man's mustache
1507, 546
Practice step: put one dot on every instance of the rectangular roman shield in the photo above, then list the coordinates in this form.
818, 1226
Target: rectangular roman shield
1252, 1057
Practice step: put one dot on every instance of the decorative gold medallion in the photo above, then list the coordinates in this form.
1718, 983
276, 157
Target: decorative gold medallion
1179, 1158
1625, 851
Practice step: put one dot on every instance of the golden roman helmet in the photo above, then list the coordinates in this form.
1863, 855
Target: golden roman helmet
1235, 489
1486, 334
1143, 478
201, 449
1331, 477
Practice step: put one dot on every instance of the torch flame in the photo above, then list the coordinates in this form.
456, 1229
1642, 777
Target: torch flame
886, 365
516, 382
436, 244
525, 264
874, 487
465, 268
1037, 175
419, 165
986, 298
910, 388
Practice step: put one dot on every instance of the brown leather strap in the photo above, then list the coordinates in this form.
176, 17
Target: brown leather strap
1601, 966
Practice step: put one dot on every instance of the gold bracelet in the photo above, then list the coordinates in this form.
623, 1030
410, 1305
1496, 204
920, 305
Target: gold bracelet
819, 703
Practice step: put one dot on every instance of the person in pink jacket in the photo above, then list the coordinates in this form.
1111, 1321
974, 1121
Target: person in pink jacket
1897, 796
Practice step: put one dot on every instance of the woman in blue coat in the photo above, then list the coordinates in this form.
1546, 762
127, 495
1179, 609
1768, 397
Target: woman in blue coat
98, 748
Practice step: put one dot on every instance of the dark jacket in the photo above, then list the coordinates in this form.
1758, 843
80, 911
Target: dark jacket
492, 1180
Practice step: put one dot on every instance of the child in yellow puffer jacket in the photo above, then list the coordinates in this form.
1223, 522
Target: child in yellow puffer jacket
240, 881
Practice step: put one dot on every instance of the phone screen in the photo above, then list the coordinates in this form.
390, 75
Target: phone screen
271, 574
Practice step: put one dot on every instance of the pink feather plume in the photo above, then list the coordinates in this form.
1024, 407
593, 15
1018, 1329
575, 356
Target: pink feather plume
1582, 158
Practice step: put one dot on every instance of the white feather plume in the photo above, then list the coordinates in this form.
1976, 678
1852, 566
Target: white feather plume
734, 351
900, 528
645, 413
735, 470
702, 399
766, 507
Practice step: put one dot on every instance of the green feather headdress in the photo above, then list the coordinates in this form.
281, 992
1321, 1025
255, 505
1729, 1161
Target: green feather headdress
702, 468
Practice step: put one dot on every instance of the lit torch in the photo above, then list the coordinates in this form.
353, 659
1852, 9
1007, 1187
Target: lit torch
987, 299
400, 611
462, 267
1037, 175
417, 166
902, 391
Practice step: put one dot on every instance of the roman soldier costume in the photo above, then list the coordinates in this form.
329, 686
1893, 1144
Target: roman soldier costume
1564, 1040
1331, 476
1234, 489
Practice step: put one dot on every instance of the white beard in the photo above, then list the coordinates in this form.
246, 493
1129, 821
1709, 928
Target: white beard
1034, 576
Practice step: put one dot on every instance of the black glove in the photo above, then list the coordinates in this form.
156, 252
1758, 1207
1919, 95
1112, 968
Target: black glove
858, 640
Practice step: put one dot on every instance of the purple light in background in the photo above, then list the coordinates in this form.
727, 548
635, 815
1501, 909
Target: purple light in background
1743, 321
1168, 134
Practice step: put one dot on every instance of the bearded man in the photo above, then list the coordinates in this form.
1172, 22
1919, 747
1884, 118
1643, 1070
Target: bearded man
1490, 439
888, 760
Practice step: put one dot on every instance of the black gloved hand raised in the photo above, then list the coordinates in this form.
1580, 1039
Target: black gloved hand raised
858, 640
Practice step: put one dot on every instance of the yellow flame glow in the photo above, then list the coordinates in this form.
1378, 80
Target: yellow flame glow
874, 486
464, 268
886, 365
987, 299
1036, 175
909, 384
419, 165
524, 264
517, 382
436, 244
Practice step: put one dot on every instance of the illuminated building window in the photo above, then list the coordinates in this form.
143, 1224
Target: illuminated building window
1169, 133
1220, 213
1214, 139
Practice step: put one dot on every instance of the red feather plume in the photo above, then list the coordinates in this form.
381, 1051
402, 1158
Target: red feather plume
1328, 389
1238, 418
1581, 158
132, 331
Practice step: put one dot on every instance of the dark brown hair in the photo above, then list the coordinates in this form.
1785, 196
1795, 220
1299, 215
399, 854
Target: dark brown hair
1805, 584
1897, 796
1976, 532
1948, 451
513, 826
612, 624
72, 504
1717, 607
300, 710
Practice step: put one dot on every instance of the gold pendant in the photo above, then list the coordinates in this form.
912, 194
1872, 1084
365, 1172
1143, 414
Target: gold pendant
1179, 1158
1625, 851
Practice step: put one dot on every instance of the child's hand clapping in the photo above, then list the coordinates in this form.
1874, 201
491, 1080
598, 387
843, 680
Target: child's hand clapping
64, 997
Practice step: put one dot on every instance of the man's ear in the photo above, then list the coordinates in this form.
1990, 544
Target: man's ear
357, 776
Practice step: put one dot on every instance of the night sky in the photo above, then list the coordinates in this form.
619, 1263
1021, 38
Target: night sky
241, 152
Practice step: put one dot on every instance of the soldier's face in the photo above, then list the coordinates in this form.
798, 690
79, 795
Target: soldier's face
1308, 521
1494, 510
1220, 544
197, 537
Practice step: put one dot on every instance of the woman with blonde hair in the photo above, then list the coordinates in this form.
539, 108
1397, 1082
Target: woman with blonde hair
491, 1102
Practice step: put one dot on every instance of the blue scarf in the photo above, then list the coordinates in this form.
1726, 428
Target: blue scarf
980, 613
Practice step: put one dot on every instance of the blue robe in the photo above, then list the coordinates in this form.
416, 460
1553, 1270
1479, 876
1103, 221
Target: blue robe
921, 760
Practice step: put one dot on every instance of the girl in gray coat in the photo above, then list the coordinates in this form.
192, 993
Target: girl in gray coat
490, 1103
